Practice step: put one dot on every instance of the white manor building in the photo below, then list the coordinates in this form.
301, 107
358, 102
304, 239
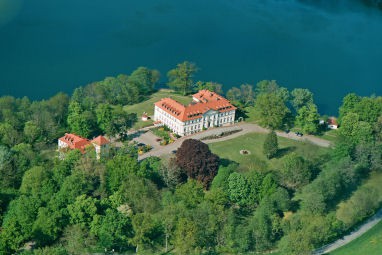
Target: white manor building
207, 109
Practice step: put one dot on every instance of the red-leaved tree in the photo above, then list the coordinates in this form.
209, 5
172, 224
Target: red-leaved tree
198, 161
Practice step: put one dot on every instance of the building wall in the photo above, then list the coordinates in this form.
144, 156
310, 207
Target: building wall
61, 144
209, 119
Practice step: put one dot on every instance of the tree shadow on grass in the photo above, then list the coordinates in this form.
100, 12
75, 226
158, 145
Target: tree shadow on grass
226, 162
284, 151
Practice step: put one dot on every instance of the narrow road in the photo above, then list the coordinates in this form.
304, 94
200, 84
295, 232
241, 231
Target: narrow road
352, 236
244, 128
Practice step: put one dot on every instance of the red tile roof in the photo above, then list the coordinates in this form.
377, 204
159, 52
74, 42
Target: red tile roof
75, 142
332, 121
207, 101
100, 140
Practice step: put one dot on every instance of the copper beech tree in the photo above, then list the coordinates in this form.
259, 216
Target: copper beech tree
196, 159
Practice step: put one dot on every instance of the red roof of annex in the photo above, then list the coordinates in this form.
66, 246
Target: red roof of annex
204, 101
332, 121
77, 142
100, 140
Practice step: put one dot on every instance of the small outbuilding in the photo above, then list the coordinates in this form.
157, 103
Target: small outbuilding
145, 117
332, 123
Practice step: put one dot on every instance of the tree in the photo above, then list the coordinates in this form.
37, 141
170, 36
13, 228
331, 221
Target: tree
300, 98
234, 95
118, 169
104, 113
49, 225
169, 215
190, 194
271, 87
149, 169
306, 232
58, 106
121, 120
244, 96
363, 203
180, 78
77, 240
9, 134
211, 86
82, 210
139, 194
247, 94
348, 104
186, 236
270, 146
112, 229
239, 189
197, 160
145, 79
37, 182
171, 173
268, 187
145, 230
295, 171
221, 179
265, 226
31, 131
308, 118
354, 130
7, 172
44, 119
378, 129
113, 120
80, 122
17, 224
51, 250
271, 110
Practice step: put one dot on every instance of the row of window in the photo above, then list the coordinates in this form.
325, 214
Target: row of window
192, 128
170, 121
167, 115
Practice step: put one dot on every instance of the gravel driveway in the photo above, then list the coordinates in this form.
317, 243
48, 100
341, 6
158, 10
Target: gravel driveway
244, 128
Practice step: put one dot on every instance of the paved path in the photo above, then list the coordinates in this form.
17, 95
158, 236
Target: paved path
244, 128
352, 236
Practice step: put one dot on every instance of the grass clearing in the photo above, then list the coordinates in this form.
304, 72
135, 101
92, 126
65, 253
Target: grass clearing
369, 243
148, 105
253, 142
331, 135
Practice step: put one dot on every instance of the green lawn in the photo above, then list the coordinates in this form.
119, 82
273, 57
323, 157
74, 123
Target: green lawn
253, 142
148, 105
331, 135
370, 243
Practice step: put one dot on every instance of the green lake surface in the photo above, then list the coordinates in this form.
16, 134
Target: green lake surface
330, 47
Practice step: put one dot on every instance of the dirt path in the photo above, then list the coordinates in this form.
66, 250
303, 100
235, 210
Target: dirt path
352, 236
244, 128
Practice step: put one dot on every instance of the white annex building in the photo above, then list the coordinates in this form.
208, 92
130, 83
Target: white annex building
207, 109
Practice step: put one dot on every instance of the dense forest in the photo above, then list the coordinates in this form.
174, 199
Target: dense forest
193, 203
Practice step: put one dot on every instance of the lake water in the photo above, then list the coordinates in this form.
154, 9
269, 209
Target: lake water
49, 46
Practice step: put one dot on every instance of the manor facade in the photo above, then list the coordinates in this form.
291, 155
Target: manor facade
206, 110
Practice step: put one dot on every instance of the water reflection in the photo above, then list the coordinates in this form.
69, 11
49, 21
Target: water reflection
8, 10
